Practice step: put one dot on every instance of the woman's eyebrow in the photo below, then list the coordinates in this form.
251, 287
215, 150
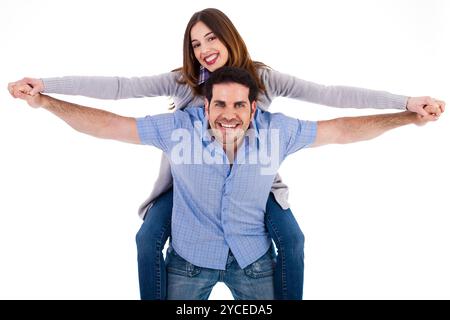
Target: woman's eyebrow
207, 34
203, 36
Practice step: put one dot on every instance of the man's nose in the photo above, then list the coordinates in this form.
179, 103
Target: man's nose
229, 114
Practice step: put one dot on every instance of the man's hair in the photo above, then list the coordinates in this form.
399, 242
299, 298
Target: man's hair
231, 75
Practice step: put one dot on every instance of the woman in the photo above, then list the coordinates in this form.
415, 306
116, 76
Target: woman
210, 42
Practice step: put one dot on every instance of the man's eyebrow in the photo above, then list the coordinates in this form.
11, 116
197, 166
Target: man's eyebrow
240, 102
219, 101
203, 36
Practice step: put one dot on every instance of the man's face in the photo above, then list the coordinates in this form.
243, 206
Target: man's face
230, 112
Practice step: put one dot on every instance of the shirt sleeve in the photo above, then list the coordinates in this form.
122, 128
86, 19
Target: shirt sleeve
298, 134
284, 85
164, 84
156, 130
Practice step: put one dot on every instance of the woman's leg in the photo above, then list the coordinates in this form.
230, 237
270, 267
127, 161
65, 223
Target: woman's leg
150, 241
289, 240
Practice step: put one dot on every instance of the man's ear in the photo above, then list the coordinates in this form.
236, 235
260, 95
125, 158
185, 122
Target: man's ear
253, 109
206, 108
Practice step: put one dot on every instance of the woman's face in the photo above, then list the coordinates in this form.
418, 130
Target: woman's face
208, 49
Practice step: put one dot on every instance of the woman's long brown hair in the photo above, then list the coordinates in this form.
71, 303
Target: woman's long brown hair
226, 32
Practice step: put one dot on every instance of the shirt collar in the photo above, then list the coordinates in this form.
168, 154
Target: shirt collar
203, 75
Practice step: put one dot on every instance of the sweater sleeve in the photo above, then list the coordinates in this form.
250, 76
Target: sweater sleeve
118, 87
284, 85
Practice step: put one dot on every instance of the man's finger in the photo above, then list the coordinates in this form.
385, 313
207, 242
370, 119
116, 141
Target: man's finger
430, 101
441, 105
422, 112
433, 109
20, 91
19, 94
24, 88
11, 88
34, 91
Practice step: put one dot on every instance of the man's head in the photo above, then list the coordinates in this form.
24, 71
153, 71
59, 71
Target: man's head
230, 103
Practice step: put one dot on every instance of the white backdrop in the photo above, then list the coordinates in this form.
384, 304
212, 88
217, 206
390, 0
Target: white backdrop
375, 214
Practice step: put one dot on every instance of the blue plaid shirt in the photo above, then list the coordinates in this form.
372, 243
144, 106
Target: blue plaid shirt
218, 207
203, 75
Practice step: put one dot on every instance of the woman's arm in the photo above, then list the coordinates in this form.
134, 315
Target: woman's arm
110, 87
283, 85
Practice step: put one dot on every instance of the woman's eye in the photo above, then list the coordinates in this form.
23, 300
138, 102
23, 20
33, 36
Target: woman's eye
196, 45
212, 38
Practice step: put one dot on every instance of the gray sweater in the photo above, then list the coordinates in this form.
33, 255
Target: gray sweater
277, 85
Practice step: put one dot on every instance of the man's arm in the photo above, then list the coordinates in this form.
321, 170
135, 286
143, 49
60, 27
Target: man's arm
95, 122
354, 129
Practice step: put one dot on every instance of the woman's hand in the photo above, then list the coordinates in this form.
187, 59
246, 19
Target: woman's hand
34, 86
419, 106
23, 92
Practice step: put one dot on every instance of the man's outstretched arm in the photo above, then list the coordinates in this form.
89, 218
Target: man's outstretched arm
354, 129
95, 122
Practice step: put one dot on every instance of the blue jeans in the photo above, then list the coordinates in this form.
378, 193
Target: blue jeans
150, 241
186, 281
289, 240
282, 227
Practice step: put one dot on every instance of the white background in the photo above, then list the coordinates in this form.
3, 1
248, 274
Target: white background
375, 214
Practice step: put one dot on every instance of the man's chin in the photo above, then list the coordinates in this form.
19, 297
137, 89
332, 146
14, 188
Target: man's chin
227, 141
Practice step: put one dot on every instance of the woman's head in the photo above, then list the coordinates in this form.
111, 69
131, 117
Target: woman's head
212, 41
208, 49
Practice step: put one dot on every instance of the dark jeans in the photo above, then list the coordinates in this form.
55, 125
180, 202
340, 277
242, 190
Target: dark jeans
282, 227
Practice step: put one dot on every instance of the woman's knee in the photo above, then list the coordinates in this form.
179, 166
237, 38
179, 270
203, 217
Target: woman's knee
285, 232
155, 229
283, 226
294, 241
147, 238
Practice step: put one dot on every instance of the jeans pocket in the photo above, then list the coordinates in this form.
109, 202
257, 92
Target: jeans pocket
178, 265
263, 267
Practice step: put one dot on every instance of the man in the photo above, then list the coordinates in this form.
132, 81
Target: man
224, 158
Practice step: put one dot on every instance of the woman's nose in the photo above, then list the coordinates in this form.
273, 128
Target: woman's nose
204, 48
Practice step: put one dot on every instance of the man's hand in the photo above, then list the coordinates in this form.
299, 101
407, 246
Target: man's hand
419, 105
34, 86
431, 116
23, 92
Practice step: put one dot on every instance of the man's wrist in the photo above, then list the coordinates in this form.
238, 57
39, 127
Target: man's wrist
411, 117
44, 101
